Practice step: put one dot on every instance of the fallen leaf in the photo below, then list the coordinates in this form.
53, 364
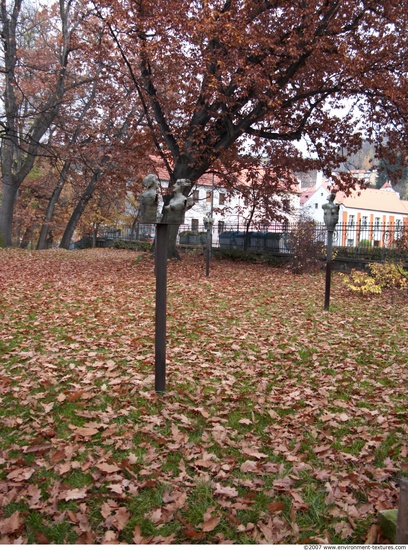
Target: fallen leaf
73, 494
276, 506
249, 466
155, 515
245, 421
11, 524
230, 492
254, 453
20, 474
137, 536
110, 537
108, 468
85, 432
372, 534
121, 518
210, 524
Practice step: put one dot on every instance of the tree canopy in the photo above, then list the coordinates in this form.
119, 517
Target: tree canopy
205, 84
214, 76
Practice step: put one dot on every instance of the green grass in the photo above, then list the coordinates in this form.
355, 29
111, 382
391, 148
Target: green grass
281, 422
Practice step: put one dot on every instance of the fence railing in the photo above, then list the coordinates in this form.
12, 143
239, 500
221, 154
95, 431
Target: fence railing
353, 240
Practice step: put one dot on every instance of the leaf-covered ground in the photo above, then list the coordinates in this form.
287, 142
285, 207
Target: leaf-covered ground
282, 423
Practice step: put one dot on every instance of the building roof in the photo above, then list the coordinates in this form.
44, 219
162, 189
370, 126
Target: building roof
378, 200
307, 193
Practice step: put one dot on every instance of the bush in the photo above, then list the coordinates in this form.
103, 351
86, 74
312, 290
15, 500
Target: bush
306, 247
365, 243
361, 283
141, 246
236, 254
387, 275
401, 243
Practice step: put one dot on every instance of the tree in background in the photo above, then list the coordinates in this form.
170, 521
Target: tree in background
66, 101
35, 51
216, 74
397, 173
265, 191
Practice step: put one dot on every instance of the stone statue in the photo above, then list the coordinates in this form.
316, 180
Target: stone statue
331, 213
176, 209
149, 199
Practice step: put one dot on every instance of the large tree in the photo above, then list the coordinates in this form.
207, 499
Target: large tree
216, 73
36, 46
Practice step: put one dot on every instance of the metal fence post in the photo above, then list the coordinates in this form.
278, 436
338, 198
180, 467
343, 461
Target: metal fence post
161, 298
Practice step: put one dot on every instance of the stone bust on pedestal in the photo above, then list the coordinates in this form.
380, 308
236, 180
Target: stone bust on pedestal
149, 199
177, 206
331, 213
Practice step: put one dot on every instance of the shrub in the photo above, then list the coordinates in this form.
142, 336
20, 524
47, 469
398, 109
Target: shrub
401, 243
389, 275
235, 254
365, 243
362, 283
386, 275
142, 246
306, 246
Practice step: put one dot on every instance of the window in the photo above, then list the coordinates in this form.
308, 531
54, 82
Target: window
351, 220
221, 226
364, 221
208, 196
221, 198
196, 196
194, 225
316, 205
350, 242
377, 223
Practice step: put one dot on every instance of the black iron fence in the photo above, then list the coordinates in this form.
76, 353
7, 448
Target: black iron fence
351, 240
376, 241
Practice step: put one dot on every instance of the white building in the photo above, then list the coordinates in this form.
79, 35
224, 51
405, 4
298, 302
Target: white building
210, 198
374, 215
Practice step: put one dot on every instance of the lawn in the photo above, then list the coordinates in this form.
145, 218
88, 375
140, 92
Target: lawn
282, 423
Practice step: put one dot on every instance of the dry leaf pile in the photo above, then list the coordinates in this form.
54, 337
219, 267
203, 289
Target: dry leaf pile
281, 423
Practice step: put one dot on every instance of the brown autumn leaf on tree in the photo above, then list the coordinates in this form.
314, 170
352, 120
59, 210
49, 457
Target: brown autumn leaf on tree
222, 83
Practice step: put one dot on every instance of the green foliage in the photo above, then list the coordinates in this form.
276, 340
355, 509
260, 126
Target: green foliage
141, 246
374, 253
380, 276
237, 254
365, 243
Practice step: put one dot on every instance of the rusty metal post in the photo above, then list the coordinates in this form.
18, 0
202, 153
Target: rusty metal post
208, 223
331, 217
161, 299
328, 269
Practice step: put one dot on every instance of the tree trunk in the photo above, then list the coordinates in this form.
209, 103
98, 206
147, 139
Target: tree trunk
95, 235
246, 237
42, 240
9, 196
25, 241
77, 213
